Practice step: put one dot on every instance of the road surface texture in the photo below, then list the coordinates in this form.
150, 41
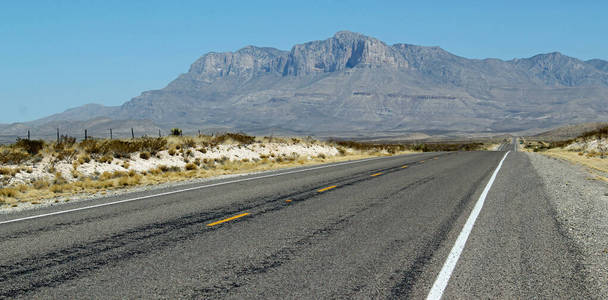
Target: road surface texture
380, 228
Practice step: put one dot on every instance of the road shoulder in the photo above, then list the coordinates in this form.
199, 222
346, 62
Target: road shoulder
516, 249
581, 205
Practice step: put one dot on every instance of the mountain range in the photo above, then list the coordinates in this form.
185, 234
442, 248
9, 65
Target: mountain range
356, 85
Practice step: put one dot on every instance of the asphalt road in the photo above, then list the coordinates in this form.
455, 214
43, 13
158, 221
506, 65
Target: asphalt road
509, 146
384, 231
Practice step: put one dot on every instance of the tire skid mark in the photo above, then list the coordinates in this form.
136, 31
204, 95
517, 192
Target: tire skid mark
56, 267
238, 279
81, 221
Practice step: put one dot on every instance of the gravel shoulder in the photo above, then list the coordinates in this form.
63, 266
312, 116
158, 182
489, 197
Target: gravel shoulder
581, 203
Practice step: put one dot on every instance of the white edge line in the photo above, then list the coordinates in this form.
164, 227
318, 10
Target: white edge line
441, 282
188, 189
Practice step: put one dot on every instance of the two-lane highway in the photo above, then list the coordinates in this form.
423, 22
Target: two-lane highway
509, 146
375, 228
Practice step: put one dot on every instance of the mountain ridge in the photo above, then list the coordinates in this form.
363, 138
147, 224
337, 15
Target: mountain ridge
355, 84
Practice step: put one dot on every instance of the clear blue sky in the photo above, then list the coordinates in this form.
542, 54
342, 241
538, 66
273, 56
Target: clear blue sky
57, 54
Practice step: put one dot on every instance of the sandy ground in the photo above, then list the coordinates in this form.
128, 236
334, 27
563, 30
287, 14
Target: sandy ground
581, 205
494, 147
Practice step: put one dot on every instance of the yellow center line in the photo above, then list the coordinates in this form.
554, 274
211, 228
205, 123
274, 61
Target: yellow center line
327, 188
288, 200
421, 161
404, 167
379, 173
228, 219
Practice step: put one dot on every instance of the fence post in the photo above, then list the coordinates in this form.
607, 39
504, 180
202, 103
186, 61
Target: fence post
85, 135
199, 132
28, 134
132, 134
159, 133
57, 135
110, 133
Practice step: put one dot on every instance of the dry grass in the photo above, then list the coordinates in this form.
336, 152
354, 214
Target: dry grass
12, 155
423, 147
8, 171
43, 190
85, 158
67, 149
593, 162
8, 192
109, 151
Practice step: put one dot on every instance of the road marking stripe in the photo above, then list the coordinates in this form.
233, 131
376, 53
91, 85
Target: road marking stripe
185, 190
326, 189
226, 220
288, 200
446, 271
379, 173
403, 167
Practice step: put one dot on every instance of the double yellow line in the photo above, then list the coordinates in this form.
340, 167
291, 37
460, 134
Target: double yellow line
245, 214
288, 201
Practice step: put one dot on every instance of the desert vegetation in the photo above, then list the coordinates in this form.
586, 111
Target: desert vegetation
589, 149
415, 147
592, 143
33, 170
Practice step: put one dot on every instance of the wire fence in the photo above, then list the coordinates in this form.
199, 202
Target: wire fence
82, 134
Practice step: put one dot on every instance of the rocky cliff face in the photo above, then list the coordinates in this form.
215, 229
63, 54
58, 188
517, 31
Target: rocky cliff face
244, 64
344, 50
354, 84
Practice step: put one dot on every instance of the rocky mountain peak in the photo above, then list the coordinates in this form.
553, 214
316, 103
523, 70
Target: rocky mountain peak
348, 50
346, 35
556, 68
552, 58
244, 63
344, 50
599, 64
